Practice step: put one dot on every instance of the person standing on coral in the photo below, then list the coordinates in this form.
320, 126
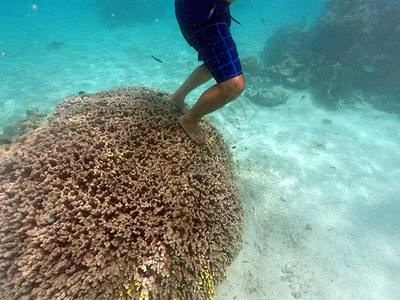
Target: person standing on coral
205, 26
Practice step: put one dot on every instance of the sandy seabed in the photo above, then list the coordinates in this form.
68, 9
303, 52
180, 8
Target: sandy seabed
321, 201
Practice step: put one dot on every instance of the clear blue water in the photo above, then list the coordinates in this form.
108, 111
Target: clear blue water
321, 221
95, 56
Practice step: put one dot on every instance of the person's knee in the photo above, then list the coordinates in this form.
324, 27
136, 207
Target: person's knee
233, 87
238, 84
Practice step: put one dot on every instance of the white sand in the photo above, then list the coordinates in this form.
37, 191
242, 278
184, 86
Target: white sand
320, 223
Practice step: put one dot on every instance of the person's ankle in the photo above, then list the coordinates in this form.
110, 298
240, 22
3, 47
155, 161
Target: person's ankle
176, 100
188, 119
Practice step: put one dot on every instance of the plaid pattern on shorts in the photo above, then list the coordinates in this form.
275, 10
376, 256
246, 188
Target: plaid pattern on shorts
217, 49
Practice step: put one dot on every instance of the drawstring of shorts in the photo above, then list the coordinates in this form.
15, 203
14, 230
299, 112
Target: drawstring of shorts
212, 11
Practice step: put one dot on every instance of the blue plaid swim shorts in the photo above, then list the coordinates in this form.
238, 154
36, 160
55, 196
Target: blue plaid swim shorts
214, 43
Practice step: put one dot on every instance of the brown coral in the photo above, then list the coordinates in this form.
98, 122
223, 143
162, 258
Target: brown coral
111, 200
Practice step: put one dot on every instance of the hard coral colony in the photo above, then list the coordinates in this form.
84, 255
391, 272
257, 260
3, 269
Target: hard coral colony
111, 200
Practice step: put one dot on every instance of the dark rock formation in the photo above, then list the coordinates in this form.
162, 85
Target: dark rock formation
268, 97
354, 45
287, 56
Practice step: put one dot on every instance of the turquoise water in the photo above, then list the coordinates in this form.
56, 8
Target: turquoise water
97, 56
320, 187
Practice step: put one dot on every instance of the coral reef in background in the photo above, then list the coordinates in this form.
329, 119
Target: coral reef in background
34, 119
111, 200
287, 57
251, 67
129, 12
269, 97
257, 91
354, 45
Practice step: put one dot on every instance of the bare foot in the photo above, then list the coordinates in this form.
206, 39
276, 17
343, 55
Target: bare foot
179, 104
193, 130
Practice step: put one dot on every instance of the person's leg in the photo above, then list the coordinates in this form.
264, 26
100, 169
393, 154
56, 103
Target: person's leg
214, 43
199, 76
212, 99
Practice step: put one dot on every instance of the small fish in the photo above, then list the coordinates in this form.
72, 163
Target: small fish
157, 59
236, 21
326, 121
54, 45
369, 68
317, 146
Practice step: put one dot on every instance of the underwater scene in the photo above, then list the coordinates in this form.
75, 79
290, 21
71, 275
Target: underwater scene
104, 193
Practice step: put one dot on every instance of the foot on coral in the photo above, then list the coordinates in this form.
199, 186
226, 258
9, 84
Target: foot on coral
193, 130
179, 104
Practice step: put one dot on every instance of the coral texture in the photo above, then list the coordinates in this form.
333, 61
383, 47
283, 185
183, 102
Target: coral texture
287, 56
353, 46
111, 200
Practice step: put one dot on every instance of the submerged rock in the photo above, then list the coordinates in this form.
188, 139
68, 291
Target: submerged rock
269, 97
354, 45
287, 56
